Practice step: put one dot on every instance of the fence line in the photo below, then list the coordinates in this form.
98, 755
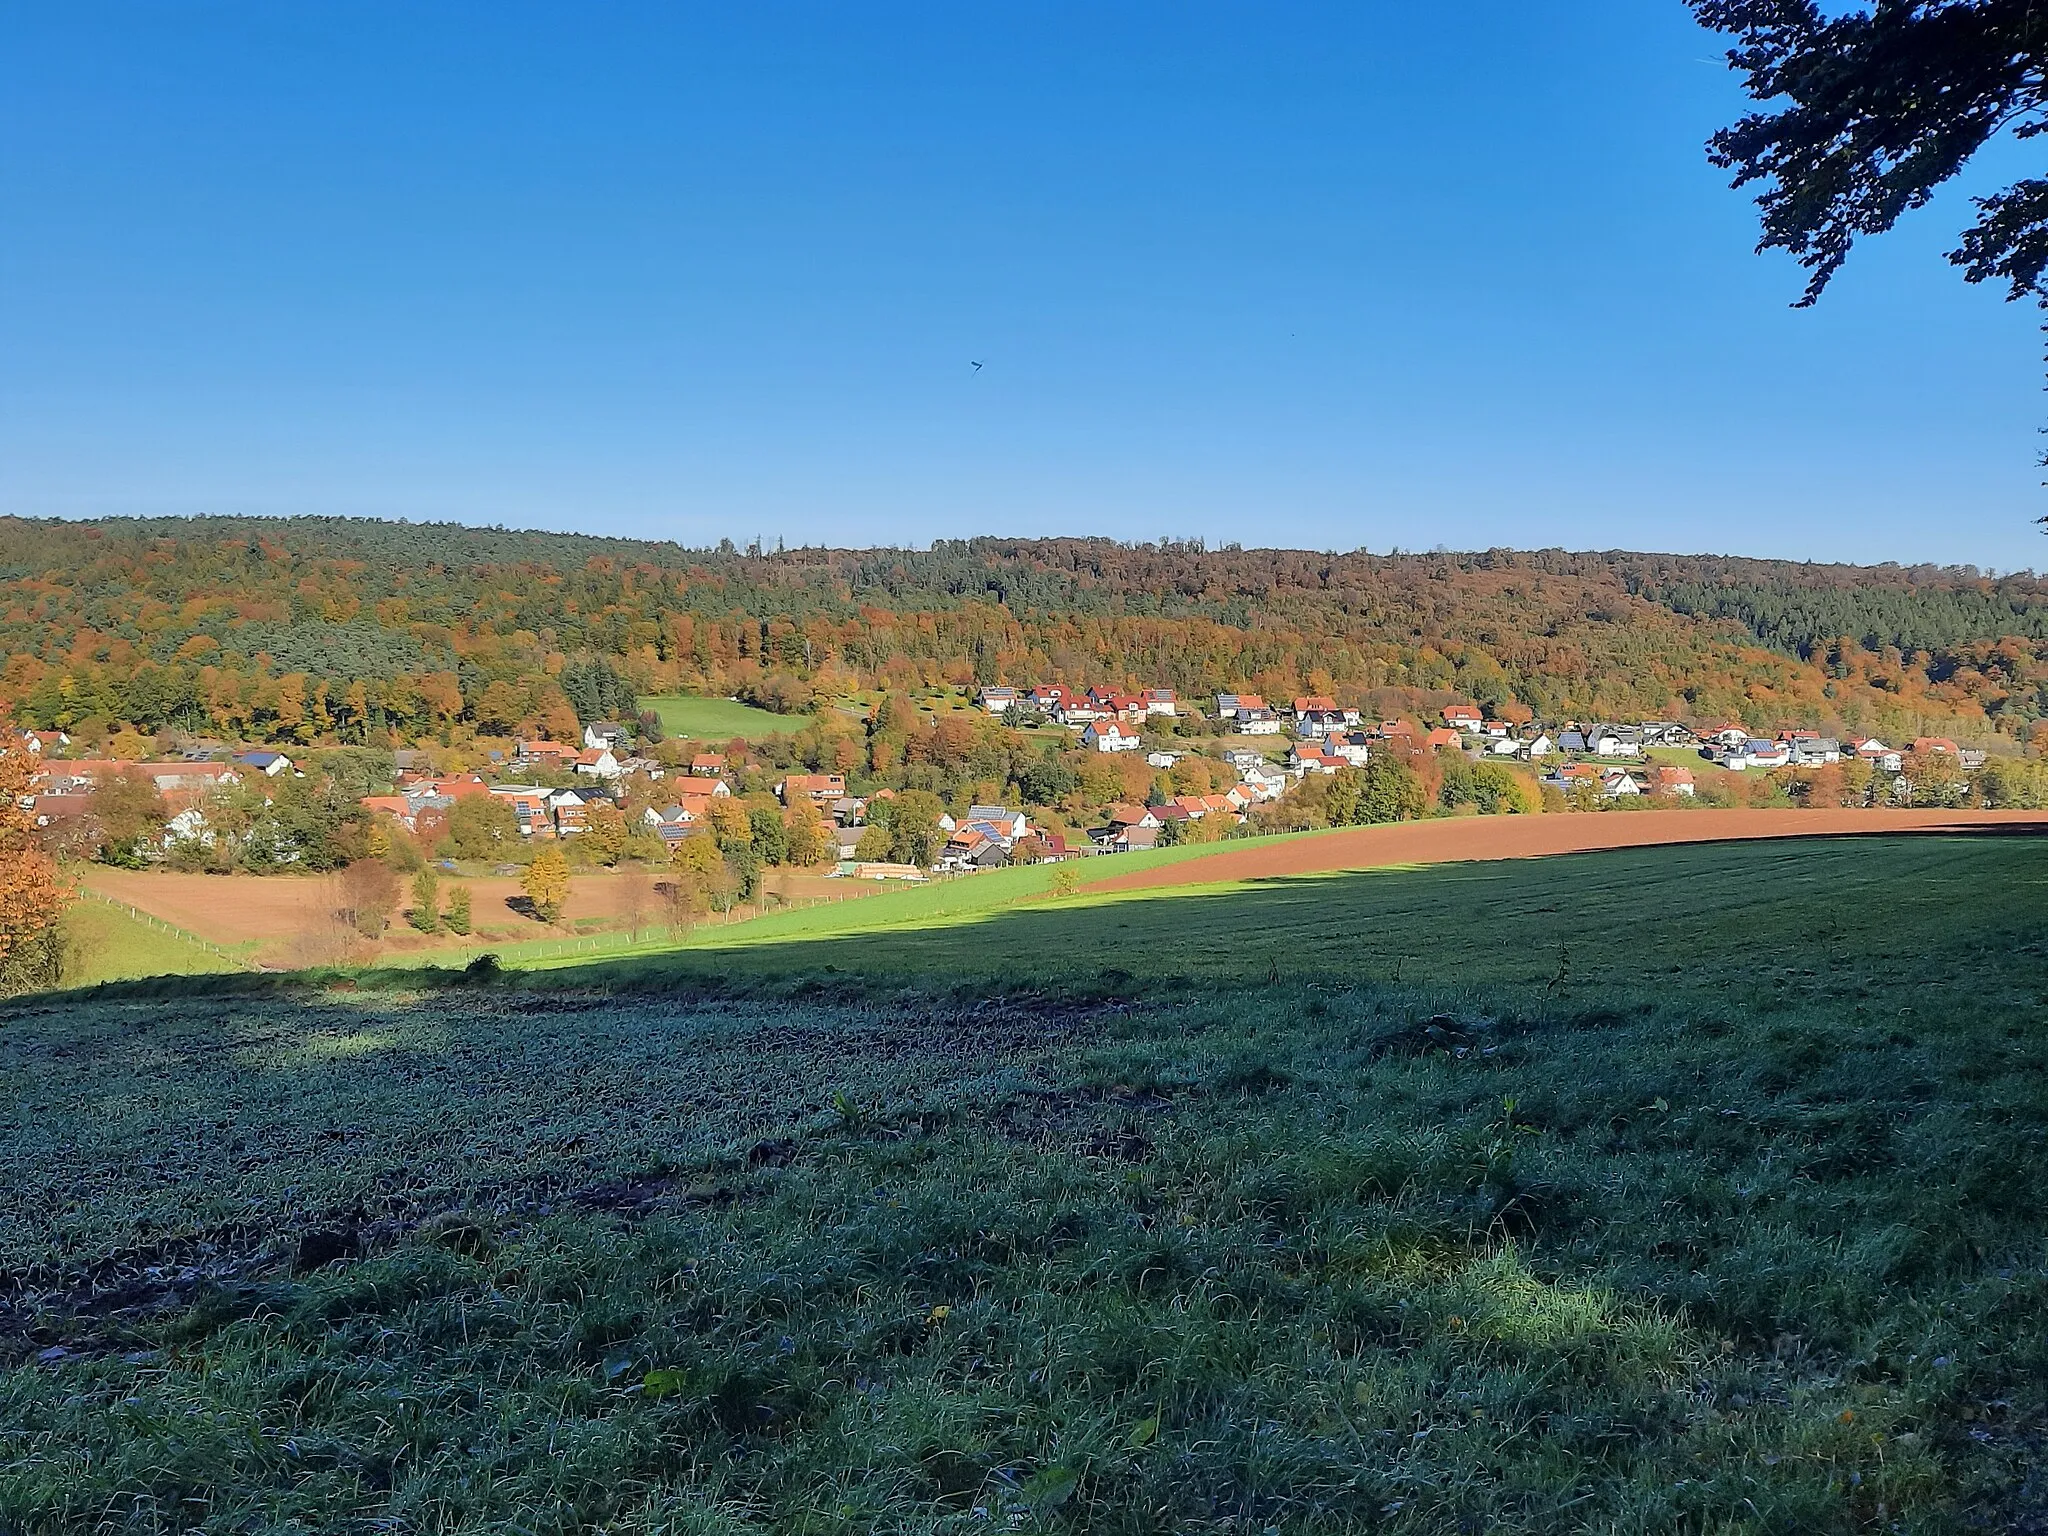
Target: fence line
151, 920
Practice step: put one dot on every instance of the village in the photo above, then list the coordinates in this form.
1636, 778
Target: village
652, 802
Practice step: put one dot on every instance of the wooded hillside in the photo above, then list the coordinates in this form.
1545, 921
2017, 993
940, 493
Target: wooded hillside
355, 630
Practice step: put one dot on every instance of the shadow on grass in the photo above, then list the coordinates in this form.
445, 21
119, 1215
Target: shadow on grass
1774, 917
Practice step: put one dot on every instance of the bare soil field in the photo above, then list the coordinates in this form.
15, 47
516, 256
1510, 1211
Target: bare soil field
1470, 838
280, 915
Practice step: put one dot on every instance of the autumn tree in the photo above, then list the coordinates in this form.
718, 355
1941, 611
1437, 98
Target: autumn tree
604, 832
482, 827
369, 893
126, 811
805, 837
546, 883
636, 895
32, 897
914, 832
680, 899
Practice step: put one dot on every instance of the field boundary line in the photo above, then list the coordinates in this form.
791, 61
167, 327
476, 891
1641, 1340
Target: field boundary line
151, 920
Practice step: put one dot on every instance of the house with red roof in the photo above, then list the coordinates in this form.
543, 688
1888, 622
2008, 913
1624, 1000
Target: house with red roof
818, 788
1133, 816
1670, 779
545, 754
1109, 736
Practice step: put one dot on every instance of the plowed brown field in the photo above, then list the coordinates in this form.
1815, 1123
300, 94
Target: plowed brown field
277, 914
1527, 837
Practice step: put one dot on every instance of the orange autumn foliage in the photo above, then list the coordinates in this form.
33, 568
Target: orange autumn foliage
32, 897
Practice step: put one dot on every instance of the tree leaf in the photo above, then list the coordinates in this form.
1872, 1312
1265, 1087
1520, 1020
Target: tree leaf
1050, 1487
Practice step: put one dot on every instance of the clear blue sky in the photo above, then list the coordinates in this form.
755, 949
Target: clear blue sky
1373, 274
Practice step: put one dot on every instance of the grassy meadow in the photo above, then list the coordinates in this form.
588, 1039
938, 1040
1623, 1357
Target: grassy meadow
704, 719
1691, 1189
105, 942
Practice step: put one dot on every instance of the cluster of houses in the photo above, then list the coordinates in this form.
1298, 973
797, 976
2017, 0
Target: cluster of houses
1607, 760
62, 788
1109, 719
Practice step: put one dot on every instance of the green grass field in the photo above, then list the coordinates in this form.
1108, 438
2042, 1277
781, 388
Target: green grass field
105, 942
1691, 1189
718, 720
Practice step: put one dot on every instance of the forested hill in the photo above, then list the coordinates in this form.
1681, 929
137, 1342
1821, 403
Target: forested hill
346, 627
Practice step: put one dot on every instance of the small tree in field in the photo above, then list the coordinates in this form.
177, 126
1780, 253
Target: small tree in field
369, 892
679, 902
456, 918
636, 894
546, 883
425, 914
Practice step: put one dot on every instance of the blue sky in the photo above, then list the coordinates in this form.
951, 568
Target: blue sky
1377, 274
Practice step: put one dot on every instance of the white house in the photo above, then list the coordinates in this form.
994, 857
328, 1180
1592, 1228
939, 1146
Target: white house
1809, 747
269, 764
1257, 722
1161, 701
1615, 783
1352, 746
598, 763
998, 700
1597, 741
1267, 783
1108, 736
36, 743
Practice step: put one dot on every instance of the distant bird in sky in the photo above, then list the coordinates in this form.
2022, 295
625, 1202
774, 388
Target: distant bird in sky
974, 365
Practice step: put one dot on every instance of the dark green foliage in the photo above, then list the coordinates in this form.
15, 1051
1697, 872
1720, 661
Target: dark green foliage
1881, 105
482, 827
596, 691
770, 839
